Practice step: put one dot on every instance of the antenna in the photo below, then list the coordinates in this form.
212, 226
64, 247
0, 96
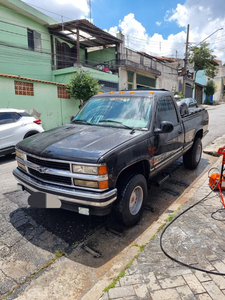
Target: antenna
62, 23
89, 1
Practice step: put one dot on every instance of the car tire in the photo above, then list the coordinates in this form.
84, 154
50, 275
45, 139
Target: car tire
30, 133
131, 200
193, 156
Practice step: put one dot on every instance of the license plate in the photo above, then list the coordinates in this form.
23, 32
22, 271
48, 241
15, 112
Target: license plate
42, 200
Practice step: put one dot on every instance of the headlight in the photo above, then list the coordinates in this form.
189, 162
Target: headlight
90, 170
97, 176
21, 155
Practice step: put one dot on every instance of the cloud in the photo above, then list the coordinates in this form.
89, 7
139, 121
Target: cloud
204, 17
138, 39
61, 9
112, 30
130, 26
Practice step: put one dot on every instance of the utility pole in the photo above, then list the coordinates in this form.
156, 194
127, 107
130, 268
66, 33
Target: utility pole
185, 63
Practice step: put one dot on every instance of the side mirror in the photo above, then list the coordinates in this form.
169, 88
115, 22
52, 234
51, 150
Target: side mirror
165, 127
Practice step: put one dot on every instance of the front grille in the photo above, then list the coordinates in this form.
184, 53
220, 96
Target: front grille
49, 163
50, 177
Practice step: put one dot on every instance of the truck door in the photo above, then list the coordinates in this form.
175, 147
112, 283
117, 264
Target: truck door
168, 146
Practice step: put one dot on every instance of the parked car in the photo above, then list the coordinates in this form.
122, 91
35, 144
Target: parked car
191, 102
16, 125
103, 160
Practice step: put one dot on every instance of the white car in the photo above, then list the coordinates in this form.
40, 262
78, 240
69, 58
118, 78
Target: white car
16, 125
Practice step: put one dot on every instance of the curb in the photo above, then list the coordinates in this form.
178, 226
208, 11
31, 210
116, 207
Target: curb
128, 254
216, 144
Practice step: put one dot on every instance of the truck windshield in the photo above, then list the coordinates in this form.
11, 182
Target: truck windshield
127, 112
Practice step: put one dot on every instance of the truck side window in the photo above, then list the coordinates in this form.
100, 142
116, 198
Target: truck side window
166, 111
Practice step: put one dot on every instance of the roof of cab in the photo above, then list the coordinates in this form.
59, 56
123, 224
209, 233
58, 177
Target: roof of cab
138, 92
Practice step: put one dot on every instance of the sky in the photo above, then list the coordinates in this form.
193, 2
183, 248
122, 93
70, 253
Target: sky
156, 27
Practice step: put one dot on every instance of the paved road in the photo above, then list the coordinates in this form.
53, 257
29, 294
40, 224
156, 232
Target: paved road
216, 123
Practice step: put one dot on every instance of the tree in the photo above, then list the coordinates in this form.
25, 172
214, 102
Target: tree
210, 89
179, 95
202, 58
83, 86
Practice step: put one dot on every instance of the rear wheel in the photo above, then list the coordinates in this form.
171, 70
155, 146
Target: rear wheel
30, 133
193, 156
131, 199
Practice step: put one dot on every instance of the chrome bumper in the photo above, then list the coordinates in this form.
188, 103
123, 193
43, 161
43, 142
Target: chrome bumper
74, 196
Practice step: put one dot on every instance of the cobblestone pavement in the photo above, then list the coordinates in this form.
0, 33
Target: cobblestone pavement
197, 239
19, 258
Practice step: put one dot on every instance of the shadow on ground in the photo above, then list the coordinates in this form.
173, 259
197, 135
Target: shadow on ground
91, 240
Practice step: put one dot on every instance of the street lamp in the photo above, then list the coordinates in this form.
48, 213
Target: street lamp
209, 36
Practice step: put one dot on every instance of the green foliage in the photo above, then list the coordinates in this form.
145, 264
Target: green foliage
83, 86
210, 88
179, 94
122, 274
202, 58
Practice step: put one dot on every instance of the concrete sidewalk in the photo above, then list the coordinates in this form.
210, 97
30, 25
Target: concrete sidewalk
196, 238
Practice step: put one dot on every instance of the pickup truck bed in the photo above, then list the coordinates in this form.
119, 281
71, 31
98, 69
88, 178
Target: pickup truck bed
102, 161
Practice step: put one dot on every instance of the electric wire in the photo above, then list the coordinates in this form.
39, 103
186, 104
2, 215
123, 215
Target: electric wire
130, 36
173, 258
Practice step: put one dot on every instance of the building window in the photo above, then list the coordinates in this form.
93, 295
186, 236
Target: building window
24, 88
130, 80
145, 82
62, 93
34, 40
108, 86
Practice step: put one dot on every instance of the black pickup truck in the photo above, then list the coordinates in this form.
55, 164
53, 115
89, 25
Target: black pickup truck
101, 162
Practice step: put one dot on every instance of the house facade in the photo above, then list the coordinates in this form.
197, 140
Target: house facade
140, 70
39, 56
220, 85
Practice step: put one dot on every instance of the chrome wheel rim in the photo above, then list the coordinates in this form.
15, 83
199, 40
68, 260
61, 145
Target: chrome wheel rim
198, 153
136, 200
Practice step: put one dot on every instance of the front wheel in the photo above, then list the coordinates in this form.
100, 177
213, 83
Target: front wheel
129, 206
193, 156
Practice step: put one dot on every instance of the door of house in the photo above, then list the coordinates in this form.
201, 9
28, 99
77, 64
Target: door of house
198, 94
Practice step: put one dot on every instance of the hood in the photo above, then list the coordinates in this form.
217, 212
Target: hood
74, 142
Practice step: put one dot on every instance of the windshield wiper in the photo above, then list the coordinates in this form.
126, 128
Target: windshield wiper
82, 121
112, 121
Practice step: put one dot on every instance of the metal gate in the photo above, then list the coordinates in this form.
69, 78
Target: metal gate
198, 93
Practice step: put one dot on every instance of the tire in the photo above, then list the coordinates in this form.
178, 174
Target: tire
30, 133
129, 206
193, 156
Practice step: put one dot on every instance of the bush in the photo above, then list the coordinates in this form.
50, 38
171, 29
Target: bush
83, 86
210, 88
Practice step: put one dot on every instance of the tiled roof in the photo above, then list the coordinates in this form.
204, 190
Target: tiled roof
31, 79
